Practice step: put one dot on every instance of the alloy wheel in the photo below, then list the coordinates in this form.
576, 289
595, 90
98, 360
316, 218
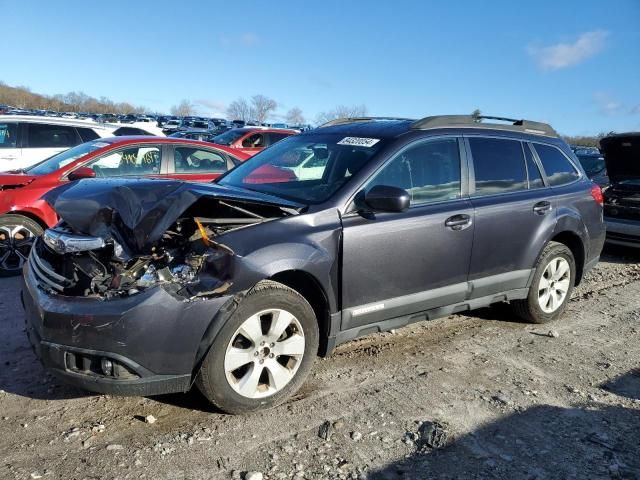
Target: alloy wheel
554, 284
264, 354
15, 244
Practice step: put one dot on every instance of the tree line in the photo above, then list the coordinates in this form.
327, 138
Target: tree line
259, 108
23, 97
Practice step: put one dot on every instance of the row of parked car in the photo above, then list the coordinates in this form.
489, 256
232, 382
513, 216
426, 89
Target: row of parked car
27, 140
153, 285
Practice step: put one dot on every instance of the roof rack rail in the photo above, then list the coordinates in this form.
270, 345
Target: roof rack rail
347, 120
520, 125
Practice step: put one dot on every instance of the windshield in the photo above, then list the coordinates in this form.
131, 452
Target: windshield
307, 168
227, 138
592, 164
60, 160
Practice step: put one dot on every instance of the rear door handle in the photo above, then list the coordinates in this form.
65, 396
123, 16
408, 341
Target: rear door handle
458, 222
542, 208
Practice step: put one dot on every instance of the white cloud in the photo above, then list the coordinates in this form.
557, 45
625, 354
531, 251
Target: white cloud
606, 104
247, 39
214, 108
563, 55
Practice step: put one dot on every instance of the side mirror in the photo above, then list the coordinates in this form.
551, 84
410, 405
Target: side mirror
82, 172
384, 198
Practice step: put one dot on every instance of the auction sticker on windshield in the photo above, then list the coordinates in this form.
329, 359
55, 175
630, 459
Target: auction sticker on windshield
359, 141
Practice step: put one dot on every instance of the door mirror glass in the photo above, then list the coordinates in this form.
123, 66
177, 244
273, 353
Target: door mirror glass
385, 198
82, 172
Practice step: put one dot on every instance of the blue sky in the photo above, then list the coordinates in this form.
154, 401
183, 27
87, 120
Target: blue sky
574, 64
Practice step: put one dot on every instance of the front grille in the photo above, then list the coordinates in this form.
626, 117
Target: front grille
44, 273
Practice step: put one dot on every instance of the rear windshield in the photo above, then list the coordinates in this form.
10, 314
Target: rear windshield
306, 168
60, 160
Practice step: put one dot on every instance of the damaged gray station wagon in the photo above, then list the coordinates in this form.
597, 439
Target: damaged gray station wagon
149, 286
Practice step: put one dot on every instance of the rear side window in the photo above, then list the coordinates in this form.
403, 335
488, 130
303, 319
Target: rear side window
535, 177
558, 168
51, 136
195, 160
8, 135
86, 134
499, 166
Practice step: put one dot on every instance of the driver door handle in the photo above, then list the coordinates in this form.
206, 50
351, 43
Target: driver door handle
458, 222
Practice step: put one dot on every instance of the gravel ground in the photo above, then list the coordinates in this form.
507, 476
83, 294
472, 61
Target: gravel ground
469, 396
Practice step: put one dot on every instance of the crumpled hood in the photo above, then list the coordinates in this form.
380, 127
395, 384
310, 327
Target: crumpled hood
137, 212
15, 180
622, 156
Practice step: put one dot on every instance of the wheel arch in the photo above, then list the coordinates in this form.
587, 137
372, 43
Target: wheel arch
574, 243
311, 289
30, 215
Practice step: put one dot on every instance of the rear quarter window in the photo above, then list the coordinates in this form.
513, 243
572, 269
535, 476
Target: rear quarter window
557, 167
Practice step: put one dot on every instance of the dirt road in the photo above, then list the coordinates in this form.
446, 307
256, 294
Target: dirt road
479, 396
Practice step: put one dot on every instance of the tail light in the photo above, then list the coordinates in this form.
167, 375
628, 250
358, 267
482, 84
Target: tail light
596, 193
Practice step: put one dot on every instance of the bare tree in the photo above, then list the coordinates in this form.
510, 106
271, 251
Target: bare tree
183, 109
295, 116
261, 107
342, 111
239, 110
72, 101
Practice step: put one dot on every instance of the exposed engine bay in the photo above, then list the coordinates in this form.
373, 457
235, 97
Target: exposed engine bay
114, 253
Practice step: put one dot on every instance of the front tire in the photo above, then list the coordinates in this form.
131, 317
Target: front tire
17, 234
552, 285
263, 353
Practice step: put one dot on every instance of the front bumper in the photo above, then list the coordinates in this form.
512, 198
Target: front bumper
623, 232
153, 337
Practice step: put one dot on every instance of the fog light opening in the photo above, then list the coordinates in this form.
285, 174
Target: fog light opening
107, 366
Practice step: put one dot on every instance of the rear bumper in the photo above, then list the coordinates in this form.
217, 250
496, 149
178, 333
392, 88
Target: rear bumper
623, 232
152, 338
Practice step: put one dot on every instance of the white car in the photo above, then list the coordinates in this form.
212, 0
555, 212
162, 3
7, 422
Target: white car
26, 140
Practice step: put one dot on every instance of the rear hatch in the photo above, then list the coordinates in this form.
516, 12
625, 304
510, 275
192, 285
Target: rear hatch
622, 157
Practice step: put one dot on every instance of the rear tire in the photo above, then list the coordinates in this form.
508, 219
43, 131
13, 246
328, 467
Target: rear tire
263, 353
17, 234
551, 287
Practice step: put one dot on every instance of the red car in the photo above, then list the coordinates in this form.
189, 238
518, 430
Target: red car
23, 215
251, 140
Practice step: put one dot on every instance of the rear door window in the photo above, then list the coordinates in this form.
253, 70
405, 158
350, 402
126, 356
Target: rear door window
197, 160
499, 166
557, 167
8, 135
51, 136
